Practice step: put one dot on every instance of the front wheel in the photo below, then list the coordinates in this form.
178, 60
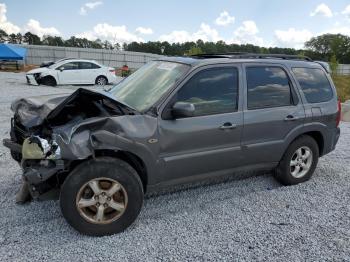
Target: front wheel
101, 197
299, 161
49, 81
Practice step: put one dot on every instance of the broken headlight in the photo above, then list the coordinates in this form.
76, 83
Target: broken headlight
37, 76
35, 147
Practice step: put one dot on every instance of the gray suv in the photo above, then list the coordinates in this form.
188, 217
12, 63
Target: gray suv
174, 121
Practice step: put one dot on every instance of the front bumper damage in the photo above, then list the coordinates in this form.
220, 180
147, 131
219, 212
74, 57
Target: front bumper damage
40, 163
50, 135
32, 79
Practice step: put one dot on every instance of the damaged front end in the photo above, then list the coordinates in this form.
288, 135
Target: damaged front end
41, 163
50, 136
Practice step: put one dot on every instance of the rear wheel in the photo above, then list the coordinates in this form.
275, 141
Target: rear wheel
299, 161
101, 81
101, 197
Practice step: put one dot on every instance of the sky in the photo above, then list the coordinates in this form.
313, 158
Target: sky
282, 23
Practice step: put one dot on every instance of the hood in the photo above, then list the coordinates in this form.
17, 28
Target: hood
33, 110
64, 108
38, 70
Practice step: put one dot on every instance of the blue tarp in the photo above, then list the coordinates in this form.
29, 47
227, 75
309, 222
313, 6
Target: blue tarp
12, 52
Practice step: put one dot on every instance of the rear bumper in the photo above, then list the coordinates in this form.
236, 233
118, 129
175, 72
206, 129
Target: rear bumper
331, 141
336, 137
112, 79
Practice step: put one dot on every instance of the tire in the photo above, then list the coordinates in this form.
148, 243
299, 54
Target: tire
48, 81
101, 81
103, 170
286, 173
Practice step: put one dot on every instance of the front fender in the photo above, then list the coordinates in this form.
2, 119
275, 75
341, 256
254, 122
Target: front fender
50, 74
122, 133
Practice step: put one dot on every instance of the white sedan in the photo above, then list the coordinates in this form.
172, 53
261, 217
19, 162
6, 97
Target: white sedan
72, 72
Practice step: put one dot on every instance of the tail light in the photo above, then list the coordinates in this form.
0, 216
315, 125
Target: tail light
338, 114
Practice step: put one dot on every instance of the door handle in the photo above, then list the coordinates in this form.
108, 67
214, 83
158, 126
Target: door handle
228, 125
291, 118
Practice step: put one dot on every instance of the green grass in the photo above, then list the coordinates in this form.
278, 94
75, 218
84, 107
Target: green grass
342, 83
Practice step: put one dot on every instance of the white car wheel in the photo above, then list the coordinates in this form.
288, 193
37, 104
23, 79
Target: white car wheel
101, 81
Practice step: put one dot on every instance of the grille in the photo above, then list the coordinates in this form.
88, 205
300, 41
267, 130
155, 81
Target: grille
18, 131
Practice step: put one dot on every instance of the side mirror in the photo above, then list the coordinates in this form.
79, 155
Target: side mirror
182, 110
60, 68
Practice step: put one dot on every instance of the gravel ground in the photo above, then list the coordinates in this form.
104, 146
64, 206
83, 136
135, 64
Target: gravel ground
243, 220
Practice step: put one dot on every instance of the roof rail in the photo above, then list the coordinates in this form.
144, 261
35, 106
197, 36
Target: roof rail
237, 55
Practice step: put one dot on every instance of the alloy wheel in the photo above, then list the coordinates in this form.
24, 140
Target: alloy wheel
101, 200
101, 81
301, 162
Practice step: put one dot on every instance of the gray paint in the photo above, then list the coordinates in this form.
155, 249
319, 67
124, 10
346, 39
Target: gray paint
182, 150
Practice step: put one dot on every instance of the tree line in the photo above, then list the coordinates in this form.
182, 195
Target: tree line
33, 39
327, 47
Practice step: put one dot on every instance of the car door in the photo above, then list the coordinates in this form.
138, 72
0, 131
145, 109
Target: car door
272, 110
208, 142
88, 72
68, 73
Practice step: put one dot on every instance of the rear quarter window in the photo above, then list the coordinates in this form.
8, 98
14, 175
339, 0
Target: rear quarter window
314, 84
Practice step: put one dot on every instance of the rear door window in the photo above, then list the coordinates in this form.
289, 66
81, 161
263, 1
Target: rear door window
314, 84
267, 86
88, 65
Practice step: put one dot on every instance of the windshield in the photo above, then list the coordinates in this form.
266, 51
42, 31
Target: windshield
54, 64
146, 86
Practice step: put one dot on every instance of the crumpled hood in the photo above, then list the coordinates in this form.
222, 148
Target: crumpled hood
33, 110
59, 108
38, 70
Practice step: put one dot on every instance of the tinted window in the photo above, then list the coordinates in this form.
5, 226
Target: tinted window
267, 87
87, 65
314, 84
70, 66
212, 91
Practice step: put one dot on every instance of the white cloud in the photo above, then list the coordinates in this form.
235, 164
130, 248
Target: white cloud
114, 34
177, 36
247, 28
344, 30
292, 37
5, 25
322, 10
90, 5
225, 19
346, 11
247, 34
34, 27
144, 30
205, 33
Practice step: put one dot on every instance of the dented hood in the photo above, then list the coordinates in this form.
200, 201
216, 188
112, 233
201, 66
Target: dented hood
38, 70
33, 110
